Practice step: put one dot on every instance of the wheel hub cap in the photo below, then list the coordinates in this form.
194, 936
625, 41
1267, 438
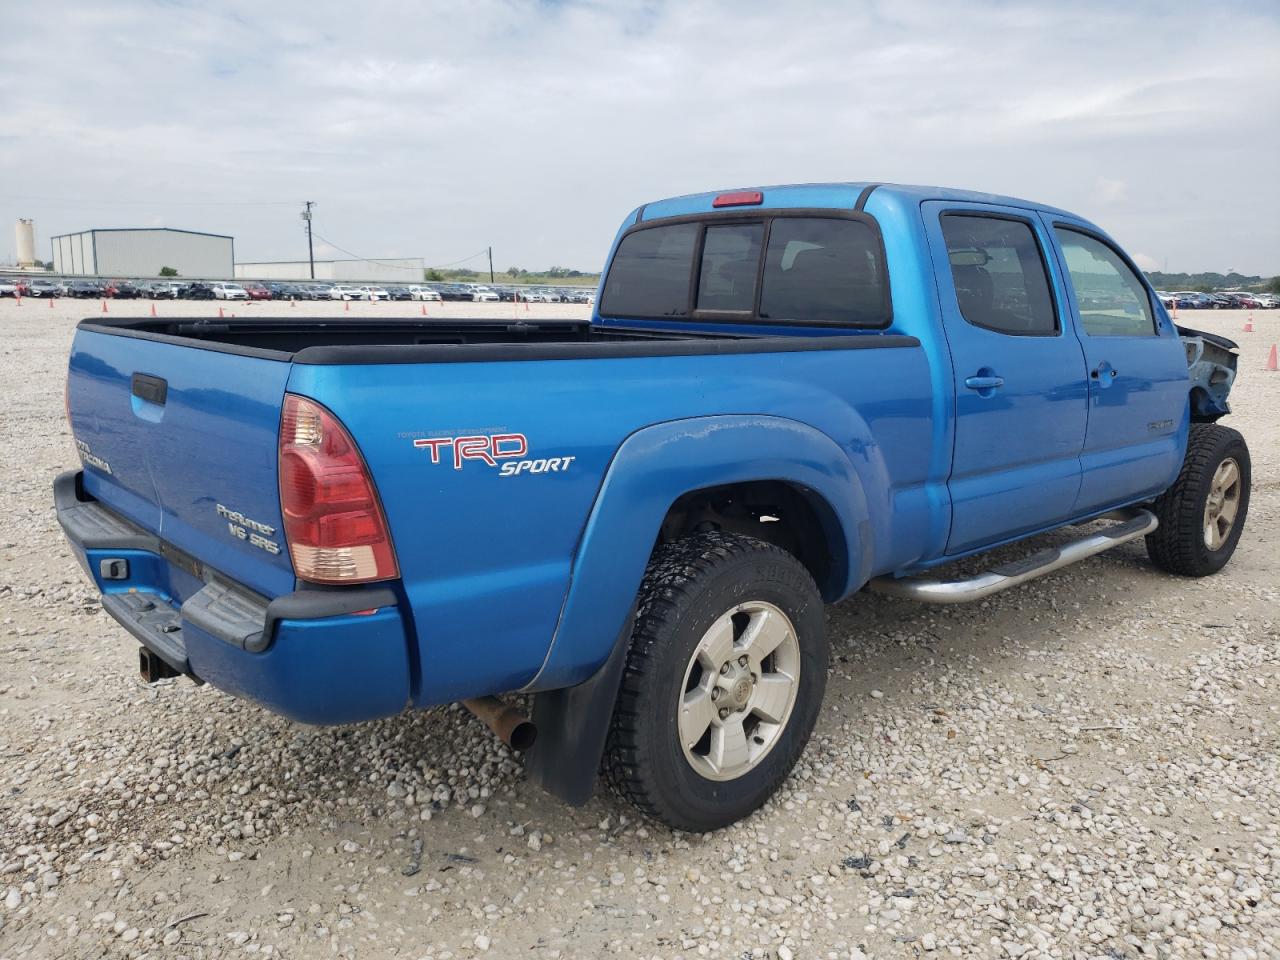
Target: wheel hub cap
741, 693
739, 690
1222, 503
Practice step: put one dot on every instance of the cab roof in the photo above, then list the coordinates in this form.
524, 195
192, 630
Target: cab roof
840, 196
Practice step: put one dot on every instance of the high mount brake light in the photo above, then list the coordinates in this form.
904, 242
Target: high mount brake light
740, 198
333, 521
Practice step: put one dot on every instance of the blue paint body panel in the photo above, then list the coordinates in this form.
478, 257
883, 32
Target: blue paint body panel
214, 441
330, 671
512, 582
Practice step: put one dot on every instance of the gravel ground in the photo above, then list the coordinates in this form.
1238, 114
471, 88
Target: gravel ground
1085, 767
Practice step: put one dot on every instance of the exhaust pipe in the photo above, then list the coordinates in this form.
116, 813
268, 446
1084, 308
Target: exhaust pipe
152, 667
507, 723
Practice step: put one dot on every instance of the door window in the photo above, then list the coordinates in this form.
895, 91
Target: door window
999, 275
1111, 299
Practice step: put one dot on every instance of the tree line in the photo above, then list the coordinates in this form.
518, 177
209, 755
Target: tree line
1209, 282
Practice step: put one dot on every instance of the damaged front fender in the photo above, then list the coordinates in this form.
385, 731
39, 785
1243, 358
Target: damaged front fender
1211, 364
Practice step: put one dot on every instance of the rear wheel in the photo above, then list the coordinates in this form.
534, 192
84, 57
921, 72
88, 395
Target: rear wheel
723, 681
1202, 515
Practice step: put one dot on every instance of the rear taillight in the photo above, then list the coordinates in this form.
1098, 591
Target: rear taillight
332, 519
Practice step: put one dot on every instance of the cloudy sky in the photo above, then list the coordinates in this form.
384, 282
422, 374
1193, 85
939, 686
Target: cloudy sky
435, 129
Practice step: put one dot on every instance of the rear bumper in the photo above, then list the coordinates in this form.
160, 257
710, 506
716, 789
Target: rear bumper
318, 656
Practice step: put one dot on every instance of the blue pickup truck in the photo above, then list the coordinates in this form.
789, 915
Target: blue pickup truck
784, 396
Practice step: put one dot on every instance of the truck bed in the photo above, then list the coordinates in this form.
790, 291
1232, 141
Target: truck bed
314, 340
178, 423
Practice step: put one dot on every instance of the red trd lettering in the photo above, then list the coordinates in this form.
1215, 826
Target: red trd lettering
501, 446
471, 448
433, 444
522, 445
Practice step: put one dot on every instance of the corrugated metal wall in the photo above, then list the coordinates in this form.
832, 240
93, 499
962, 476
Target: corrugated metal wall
141, 253
73, 253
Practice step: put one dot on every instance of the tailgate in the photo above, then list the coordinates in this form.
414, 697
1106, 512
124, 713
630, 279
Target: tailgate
183, 442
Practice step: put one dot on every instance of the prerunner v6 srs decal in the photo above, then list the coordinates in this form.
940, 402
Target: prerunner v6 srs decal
489, 449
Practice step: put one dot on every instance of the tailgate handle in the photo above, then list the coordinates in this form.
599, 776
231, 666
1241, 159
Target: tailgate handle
151, 389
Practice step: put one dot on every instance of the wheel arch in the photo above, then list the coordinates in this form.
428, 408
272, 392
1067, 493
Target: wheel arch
659, 475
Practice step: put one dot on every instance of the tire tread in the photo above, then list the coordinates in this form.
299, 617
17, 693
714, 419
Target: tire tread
673, 575
1177, 544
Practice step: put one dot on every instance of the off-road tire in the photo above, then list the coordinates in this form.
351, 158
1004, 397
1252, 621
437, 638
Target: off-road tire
690, 583
1178, 545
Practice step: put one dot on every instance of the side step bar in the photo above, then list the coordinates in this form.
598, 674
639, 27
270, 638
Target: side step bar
928, 590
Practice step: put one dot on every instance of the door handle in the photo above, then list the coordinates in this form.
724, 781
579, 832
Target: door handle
1103, 374
149, 388
984, 383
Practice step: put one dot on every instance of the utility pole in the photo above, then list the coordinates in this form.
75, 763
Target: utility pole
491, 264
311, 257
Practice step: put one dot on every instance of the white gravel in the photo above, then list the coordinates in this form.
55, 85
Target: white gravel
1083, 768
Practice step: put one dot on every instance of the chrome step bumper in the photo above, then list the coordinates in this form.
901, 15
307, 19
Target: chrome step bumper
929, 590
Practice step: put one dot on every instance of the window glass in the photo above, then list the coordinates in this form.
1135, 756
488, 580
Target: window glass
1112, 300
649, 276
730, 262
824, 271
999, 275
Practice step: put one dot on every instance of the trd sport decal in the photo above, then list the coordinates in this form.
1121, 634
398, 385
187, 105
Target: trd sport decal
511, 447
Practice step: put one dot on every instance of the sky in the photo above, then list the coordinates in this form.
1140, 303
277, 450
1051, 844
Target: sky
438, 129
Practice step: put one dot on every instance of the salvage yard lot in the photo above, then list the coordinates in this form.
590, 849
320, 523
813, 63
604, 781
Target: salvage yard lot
1087, 766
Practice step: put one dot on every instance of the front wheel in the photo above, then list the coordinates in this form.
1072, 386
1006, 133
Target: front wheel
1202, 515
723, 681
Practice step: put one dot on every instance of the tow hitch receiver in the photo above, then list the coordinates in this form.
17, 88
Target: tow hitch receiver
152, 667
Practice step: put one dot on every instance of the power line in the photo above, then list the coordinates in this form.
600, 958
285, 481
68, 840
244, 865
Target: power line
478, 253
155, 201
356, 256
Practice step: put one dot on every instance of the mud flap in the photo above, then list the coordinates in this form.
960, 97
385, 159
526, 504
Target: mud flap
573, 724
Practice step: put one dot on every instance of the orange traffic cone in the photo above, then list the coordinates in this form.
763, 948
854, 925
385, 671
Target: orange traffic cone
1271, 360
153, 308
1248, 325
346, 306
1175, 309
424, 308
51, 303
220, 313
104, 306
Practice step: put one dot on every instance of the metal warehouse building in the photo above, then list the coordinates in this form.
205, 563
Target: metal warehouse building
142, 252
391, 270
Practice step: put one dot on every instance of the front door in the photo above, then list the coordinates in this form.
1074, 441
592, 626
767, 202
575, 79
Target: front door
1020, 379
1138, 387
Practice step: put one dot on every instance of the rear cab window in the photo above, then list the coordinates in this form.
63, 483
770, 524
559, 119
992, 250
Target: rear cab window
823, 268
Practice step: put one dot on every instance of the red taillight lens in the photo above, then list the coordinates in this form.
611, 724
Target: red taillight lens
336, 530
739, 198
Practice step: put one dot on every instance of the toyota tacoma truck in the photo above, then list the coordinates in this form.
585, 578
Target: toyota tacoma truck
783, 396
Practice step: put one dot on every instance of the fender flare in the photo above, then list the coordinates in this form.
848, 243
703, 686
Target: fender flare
578, 682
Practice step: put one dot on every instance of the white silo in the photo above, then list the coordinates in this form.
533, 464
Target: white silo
25, 234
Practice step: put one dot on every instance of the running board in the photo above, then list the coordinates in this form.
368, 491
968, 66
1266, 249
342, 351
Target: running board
1139, 524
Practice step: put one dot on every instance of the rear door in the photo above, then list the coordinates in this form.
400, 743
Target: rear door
183, 441
1139, 393
1021, 396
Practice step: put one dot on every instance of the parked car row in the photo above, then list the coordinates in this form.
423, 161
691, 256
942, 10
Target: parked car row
94, 289
1226, 300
